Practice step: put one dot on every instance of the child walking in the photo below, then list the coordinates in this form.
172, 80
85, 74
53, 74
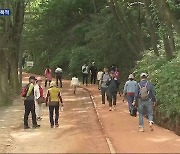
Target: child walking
74, 83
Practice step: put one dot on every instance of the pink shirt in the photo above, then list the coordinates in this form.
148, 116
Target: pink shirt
48, 75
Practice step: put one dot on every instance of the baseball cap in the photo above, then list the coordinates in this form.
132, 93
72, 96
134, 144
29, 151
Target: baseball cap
144, 74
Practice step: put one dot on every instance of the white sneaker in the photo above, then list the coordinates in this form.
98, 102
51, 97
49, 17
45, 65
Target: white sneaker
141, 129
151, 125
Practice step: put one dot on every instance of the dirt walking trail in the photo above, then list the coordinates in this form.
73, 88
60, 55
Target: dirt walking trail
81, 130
122, 129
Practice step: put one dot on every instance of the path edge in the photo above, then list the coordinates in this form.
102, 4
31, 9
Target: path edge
109, 143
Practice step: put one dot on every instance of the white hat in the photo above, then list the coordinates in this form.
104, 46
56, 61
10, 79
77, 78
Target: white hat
144, 74
131, 76
38, 79
52, 84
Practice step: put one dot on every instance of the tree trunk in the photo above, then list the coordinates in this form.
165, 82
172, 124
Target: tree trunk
167, 47
168, 35
127, 27
151, 27
169, 16
122, 29
14, 82
94, 5
4, 88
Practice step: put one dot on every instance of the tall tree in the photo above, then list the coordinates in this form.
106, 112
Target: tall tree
11, 28
151, 26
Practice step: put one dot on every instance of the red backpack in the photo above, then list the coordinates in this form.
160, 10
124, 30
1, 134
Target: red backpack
25, 90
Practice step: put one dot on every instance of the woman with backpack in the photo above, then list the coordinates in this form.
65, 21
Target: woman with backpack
145, 96
129, 91
48, 76
102, 84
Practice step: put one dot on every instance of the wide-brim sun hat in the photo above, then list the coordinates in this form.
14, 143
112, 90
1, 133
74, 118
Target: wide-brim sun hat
144, 74
131, 76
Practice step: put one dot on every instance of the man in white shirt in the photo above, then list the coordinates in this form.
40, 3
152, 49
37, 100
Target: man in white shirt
58, 73
85, 72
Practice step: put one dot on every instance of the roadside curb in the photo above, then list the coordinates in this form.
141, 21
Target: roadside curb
110, 145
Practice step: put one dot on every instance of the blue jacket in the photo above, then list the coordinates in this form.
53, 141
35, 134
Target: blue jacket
130, 87
150, 89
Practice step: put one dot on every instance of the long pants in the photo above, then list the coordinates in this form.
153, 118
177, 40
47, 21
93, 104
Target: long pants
85, 78
29, 107
46, 82
93, 78
130, 100
51, 114
103, 94
59, 78
149, 107
38, 109
112, 98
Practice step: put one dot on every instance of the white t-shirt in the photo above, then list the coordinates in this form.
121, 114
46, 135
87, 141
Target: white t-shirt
36, 91
58, 70
85, 69
99, 75
74, 81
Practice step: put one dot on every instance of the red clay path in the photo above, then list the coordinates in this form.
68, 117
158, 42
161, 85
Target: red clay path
122, 130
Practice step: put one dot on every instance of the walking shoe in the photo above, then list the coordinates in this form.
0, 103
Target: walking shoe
39, 118
57, 125
26, 127
110, 109
114, 107
36, 126
141, 129
52, 126
150, 125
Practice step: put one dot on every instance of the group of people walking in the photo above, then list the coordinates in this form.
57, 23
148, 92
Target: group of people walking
140, 96
58, 74
92, 70
34, 98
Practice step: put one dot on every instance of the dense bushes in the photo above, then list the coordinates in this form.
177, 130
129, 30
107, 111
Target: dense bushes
166, 78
